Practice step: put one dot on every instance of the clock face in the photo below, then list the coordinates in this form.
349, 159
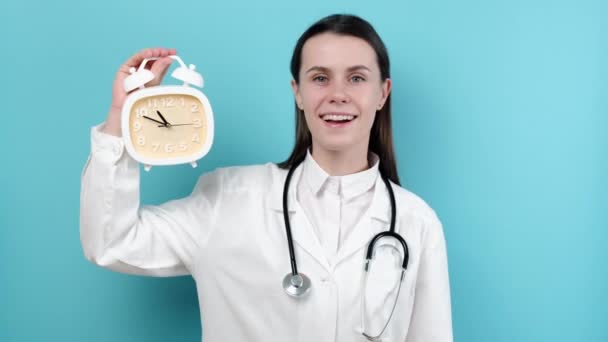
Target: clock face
168, 126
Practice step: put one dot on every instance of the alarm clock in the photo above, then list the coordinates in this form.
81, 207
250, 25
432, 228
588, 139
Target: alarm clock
166, 124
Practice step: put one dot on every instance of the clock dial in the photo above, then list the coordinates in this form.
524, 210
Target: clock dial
167, 126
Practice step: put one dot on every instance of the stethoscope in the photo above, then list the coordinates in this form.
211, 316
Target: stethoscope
298, 284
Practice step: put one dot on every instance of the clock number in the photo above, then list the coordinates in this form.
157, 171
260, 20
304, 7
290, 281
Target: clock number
198, 123
194, 108
169, 148
137, 126
167, 102
152, 103
182, 146
155, 147
196, 138
141, 140
139, 113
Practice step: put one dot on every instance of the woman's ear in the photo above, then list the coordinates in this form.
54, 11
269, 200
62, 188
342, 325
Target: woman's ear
296, 94
386, 90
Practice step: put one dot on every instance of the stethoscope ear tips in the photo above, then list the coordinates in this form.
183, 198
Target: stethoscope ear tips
296, 285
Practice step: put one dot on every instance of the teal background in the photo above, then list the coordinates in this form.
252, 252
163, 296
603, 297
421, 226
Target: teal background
500, 117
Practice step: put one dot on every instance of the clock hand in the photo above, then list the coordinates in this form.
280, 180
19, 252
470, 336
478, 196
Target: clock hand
163, 118
177, 125
149, 118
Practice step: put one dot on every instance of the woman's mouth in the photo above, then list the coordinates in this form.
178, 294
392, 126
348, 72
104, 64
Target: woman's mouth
337, 119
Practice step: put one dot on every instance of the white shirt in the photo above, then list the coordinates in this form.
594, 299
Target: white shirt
334, 204
229, 235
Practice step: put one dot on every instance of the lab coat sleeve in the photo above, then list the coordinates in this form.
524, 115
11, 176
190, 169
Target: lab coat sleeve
432, 316
118, 234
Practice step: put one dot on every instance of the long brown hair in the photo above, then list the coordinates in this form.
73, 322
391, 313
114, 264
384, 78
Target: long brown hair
381, 136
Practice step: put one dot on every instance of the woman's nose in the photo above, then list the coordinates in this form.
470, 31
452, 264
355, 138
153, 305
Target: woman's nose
339, 93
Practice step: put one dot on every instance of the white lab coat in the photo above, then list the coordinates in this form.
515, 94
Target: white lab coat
230, 236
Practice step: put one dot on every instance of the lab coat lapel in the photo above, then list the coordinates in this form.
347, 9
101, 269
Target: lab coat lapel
301, 229
376, 219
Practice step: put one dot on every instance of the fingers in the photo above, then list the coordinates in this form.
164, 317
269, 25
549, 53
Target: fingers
159, 69
160, 66
136, 59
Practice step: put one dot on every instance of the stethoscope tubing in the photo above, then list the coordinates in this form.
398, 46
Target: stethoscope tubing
391, 232
292, 256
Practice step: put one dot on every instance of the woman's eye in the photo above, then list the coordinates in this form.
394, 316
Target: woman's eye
357, 79
319, 78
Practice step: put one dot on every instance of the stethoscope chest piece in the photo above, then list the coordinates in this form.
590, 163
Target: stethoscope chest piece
296, 285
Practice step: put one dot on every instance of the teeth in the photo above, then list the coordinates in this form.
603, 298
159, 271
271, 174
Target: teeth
337, 117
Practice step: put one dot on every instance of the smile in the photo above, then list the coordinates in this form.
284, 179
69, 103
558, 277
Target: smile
337, 119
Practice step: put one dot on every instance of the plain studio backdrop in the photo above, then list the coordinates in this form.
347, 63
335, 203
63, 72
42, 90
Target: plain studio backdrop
500, 117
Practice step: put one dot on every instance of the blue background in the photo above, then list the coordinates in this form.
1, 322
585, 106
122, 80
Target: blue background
500, 117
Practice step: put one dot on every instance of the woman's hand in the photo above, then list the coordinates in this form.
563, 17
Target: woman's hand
159, 67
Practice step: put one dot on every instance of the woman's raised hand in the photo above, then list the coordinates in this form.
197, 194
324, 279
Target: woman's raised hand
159, 67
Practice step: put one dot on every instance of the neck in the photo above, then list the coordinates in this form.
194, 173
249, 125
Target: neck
341, 163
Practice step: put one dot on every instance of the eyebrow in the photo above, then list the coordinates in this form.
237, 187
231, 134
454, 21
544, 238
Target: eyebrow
326, 70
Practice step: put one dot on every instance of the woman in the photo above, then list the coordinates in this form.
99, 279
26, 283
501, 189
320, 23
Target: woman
230, 233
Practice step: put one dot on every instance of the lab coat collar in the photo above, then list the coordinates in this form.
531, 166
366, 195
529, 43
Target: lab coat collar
375, 220
349, 185
301, 230
379, 209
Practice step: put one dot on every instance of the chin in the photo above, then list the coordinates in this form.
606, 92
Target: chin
335, 145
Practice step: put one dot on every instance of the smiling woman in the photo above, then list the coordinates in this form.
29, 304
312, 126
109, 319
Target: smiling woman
234, 233
356, 75
339, 89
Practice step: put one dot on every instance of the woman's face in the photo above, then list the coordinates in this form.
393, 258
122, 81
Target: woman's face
340, 90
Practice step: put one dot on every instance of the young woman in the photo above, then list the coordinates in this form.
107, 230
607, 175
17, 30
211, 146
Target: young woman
270, 267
